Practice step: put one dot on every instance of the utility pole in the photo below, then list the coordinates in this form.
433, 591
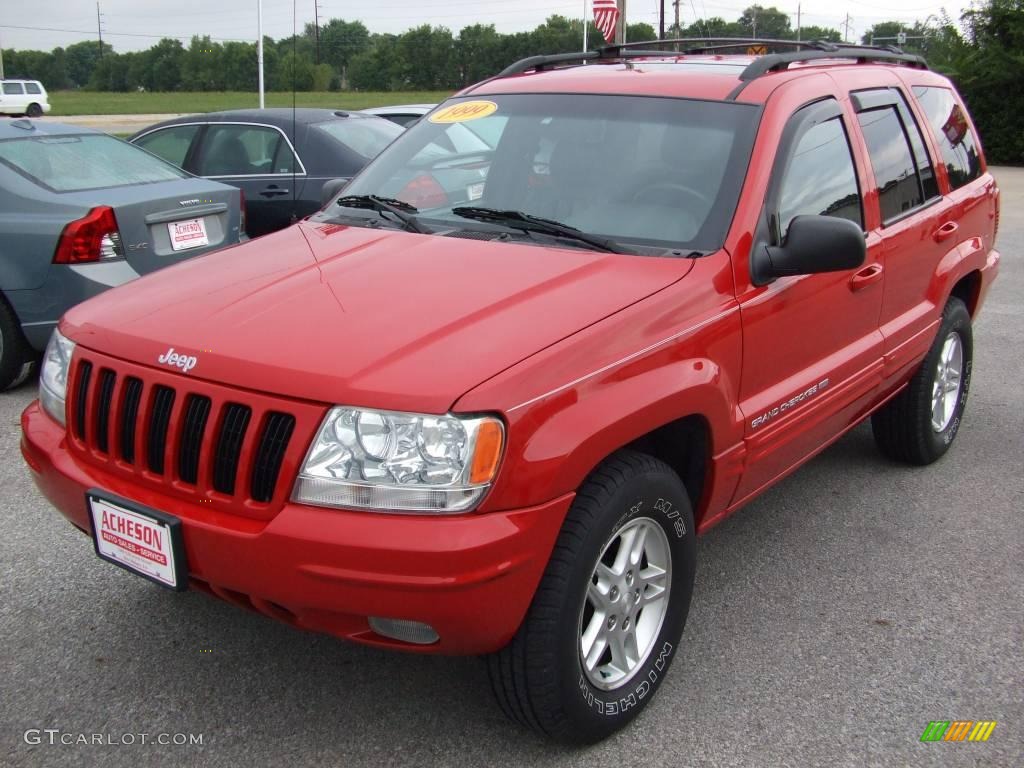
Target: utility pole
99, 27
798, 22
679, 31
846, 28
661, 20
316, 26
1, 61
259, 48
620, 27
753, 18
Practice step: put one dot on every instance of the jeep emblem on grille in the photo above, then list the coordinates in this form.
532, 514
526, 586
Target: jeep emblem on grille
185, 362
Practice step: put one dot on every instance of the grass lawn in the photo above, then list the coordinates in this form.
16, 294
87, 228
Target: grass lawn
97, 103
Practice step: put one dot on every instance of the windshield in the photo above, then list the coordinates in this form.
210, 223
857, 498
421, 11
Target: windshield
364, 136
650, 171
90, 161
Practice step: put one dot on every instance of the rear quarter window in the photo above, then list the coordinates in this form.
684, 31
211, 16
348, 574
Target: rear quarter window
77, 162
364, 137
957, 144
32, 88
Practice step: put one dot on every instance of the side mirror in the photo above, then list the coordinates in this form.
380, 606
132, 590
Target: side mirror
813, 244
330, 189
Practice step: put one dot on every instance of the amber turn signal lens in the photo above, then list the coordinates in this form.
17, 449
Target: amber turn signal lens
488, 452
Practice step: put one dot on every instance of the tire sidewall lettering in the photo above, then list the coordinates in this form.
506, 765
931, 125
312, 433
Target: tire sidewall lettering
614, 703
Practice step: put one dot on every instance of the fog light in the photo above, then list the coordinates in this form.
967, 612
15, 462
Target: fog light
404, 630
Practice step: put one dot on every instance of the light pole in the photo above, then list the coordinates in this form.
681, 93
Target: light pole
259, 47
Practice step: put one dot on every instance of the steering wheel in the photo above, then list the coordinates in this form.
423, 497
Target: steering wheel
644, 191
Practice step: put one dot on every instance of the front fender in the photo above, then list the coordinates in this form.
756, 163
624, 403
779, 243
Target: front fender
578, 402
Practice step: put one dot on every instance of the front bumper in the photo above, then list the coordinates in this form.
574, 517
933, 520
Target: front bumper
470, 577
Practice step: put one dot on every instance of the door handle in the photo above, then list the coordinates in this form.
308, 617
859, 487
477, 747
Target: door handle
865, 277
273, 191
946, 231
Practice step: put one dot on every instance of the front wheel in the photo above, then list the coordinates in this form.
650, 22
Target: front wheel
607, 617
919, 424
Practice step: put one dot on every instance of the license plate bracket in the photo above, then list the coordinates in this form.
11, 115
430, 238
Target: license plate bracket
144, 541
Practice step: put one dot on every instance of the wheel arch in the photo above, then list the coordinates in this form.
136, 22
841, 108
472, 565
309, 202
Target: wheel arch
968, 290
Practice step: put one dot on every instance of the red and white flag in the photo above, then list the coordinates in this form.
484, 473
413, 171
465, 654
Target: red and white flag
606, 16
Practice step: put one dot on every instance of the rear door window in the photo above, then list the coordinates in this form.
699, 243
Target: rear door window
88, 161
172, 144
819, 177
244, 150
949, 125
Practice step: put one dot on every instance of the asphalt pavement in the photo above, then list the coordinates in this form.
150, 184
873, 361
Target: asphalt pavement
833, 618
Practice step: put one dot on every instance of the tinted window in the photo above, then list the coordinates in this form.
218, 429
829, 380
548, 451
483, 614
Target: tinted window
72, 163
643, 171
170, 143
820, 178
13, 89
929, 184
366, 137
243, 150
899, 189
32, 88
949, 125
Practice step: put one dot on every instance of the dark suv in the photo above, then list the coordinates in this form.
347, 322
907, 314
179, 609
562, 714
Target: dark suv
484, 401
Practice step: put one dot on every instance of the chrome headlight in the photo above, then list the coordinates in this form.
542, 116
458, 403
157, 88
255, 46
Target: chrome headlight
400, 462
53, 378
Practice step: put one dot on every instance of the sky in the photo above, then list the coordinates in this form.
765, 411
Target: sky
137, 24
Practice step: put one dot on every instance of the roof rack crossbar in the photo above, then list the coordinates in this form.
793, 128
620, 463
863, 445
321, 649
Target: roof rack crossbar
777, 62
710, 43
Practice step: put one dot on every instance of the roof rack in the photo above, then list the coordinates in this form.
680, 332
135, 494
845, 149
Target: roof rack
778, 62
805, 50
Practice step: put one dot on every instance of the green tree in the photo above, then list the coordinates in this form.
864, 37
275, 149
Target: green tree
239, 64
758, 21
341, 41
480, 53
81, 59
201, 68
294, 72
820, 33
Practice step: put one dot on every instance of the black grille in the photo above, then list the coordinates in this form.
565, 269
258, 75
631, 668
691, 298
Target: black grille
277, 431
130, 400
103, 405
159, 418
229, 446
197, 411
82, 397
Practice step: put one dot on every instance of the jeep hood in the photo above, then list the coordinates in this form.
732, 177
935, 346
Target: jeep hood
368, 317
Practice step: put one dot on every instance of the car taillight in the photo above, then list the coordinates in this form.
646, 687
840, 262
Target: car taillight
94, 237
242, 213
424, 192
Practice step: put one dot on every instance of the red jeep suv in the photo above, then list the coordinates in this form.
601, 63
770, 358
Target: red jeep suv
483, 402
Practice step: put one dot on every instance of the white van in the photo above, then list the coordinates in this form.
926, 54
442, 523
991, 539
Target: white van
23, 97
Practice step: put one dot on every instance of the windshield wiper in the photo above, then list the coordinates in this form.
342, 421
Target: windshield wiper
400, 209
530, 223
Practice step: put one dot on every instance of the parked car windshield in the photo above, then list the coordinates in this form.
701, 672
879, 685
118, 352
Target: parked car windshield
651, 171
88, 161
365, 137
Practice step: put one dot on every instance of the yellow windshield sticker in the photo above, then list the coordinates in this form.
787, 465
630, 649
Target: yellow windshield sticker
464, 111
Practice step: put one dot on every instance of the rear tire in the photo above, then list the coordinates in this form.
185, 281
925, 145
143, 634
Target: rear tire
34, 110
17, 358
618, 584
919, 424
